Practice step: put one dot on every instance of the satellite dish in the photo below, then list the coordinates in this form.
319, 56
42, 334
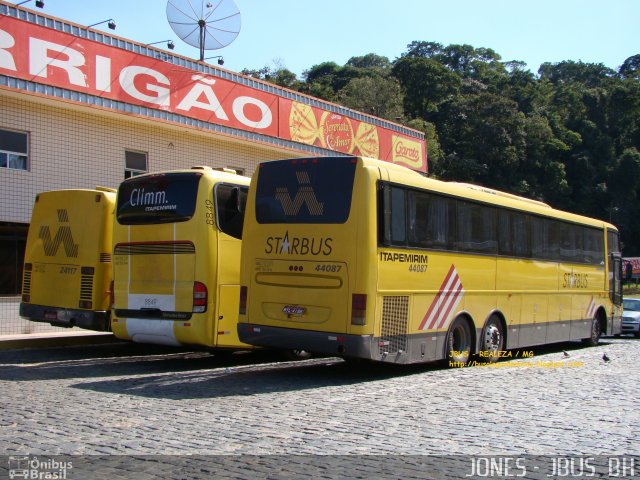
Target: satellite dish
204, 24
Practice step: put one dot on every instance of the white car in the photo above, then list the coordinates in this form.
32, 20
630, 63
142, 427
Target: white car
631, 316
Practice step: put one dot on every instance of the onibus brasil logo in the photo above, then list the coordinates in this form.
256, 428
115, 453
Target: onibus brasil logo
38, 468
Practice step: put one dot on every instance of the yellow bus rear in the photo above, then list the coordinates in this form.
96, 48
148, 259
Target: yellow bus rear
176, 257
67, 266
361, 258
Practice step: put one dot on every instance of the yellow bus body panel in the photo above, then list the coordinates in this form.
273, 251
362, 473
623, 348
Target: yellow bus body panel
165, 281
413, 295
68, 258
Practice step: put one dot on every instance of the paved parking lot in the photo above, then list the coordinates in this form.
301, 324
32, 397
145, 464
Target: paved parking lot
127, 399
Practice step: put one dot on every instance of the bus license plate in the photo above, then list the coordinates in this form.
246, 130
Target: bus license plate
294, 310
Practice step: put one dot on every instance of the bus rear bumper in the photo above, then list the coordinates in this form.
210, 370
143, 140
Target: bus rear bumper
359, 346
65, 317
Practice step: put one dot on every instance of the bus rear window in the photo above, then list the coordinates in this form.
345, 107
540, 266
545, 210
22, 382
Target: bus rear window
162, 198
309, 190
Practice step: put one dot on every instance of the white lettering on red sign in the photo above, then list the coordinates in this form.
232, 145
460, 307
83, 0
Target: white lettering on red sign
122, 79
6, 59
204, 87
63, 57
103, 73
128, 76
238, 110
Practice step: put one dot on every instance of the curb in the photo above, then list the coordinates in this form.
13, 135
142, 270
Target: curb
10, 342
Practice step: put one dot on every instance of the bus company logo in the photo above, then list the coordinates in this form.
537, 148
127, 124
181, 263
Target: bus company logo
37, 468
575, 280
286, 245
445, 301
304, 196
63, 236
151, 201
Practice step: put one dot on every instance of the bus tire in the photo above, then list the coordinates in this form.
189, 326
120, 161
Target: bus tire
458, 343
596, 331
492, 341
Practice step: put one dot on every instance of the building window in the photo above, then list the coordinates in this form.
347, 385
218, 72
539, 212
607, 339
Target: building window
135, 163
13, 149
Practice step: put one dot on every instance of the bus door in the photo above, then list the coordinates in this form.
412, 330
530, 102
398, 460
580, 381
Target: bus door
614, 318
615, 289
229, 201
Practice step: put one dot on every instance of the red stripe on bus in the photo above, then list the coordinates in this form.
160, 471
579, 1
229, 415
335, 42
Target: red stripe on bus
454, 301
437, 297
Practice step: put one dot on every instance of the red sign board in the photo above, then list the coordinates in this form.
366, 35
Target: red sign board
43, 55
631, 264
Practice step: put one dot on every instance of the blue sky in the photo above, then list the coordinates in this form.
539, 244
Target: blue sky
298, 34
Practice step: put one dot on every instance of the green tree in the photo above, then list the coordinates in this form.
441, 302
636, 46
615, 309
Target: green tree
625, 177
588, 74
435, 155
630, 68
485, 134
375, 95
278, 76
370, 60
426, 84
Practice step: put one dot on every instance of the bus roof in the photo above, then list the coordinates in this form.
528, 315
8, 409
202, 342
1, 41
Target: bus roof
216, 173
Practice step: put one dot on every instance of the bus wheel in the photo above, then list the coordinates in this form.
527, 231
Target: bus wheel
596, 330
492, 340
458, 343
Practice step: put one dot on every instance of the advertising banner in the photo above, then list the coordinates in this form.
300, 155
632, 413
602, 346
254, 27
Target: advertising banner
51, 57
631, 265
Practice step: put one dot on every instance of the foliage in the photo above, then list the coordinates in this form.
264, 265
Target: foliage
569, 136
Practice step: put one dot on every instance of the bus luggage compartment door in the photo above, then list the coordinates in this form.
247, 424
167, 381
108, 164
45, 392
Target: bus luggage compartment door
153, 288
301, 294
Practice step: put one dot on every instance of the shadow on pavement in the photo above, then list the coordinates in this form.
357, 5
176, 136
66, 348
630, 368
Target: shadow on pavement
175, 373
254, 379
120, 359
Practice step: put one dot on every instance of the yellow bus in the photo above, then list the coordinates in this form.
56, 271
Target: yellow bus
176, 252
362, 258
67, 266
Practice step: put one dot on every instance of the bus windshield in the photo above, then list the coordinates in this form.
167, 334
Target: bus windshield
161, 198
315, 190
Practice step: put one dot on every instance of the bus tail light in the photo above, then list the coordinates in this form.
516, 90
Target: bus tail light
199, 297
243, 301
358, 309
112, 295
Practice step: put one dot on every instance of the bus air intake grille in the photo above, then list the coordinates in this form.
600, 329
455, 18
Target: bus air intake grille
395, 317
157, 248
86, 287
26, 283
105, 258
